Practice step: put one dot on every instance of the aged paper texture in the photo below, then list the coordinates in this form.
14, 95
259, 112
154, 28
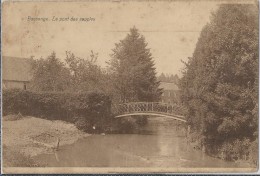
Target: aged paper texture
130, 86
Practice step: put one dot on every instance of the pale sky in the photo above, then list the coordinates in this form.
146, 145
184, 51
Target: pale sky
171, 29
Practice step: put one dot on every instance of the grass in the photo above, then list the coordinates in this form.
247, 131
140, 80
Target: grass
12, 158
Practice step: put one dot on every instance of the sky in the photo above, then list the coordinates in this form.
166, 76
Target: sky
171, 28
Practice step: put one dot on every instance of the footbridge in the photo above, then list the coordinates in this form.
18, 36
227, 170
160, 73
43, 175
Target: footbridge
173, 111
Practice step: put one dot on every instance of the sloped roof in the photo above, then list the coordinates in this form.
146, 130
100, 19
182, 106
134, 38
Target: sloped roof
168, 86
16, 69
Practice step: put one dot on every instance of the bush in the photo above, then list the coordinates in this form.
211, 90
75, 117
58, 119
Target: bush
82, 124
253, 153
141, 121
237, 150
127, 125
220, 81
15, 101
93, 107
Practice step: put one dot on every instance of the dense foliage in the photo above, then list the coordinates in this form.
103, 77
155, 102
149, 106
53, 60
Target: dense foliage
50, 74
220, 83
131, 76
75, 74
132, 69
87, 110
86, 74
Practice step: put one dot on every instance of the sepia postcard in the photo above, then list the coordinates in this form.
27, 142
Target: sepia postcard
111, 86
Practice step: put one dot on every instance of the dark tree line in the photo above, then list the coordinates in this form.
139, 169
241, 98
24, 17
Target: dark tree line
130, 75
75, 74
220, 83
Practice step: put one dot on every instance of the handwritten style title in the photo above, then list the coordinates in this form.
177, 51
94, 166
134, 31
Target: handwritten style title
60, 19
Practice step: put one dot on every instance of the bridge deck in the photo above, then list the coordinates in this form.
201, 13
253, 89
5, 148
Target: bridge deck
150, 108
176, 117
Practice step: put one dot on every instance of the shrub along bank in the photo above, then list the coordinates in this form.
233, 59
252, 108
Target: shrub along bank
90, 111
220, 84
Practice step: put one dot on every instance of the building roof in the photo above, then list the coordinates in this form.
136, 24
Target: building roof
16, 69
168, 86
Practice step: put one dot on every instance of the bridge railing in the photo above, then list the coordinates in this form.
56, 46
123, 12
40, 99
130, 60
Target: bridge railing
159, 107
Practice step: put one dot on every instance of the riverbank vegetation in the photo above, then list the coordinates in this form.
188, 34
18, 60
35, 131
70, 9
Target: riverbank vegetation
220, 85
79, 91
89, 110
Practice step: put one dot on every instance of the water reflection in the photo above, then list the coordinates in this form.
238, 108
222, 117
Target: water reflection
159, 144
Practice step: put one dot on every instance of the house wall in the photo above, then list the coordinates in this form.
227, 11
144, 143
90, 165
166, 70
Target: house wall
15, 84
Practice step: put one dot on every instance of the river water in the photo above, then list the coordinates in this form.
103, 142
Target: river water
159, 144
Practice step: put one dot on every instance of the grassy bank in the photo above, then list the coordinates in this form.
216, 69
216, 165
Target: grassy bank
239, 152
25, 137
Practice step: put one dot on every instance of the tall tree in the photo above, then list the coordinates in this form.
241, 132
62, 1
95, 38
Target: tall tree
220, 82
86, 74
133, 69
50, 74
